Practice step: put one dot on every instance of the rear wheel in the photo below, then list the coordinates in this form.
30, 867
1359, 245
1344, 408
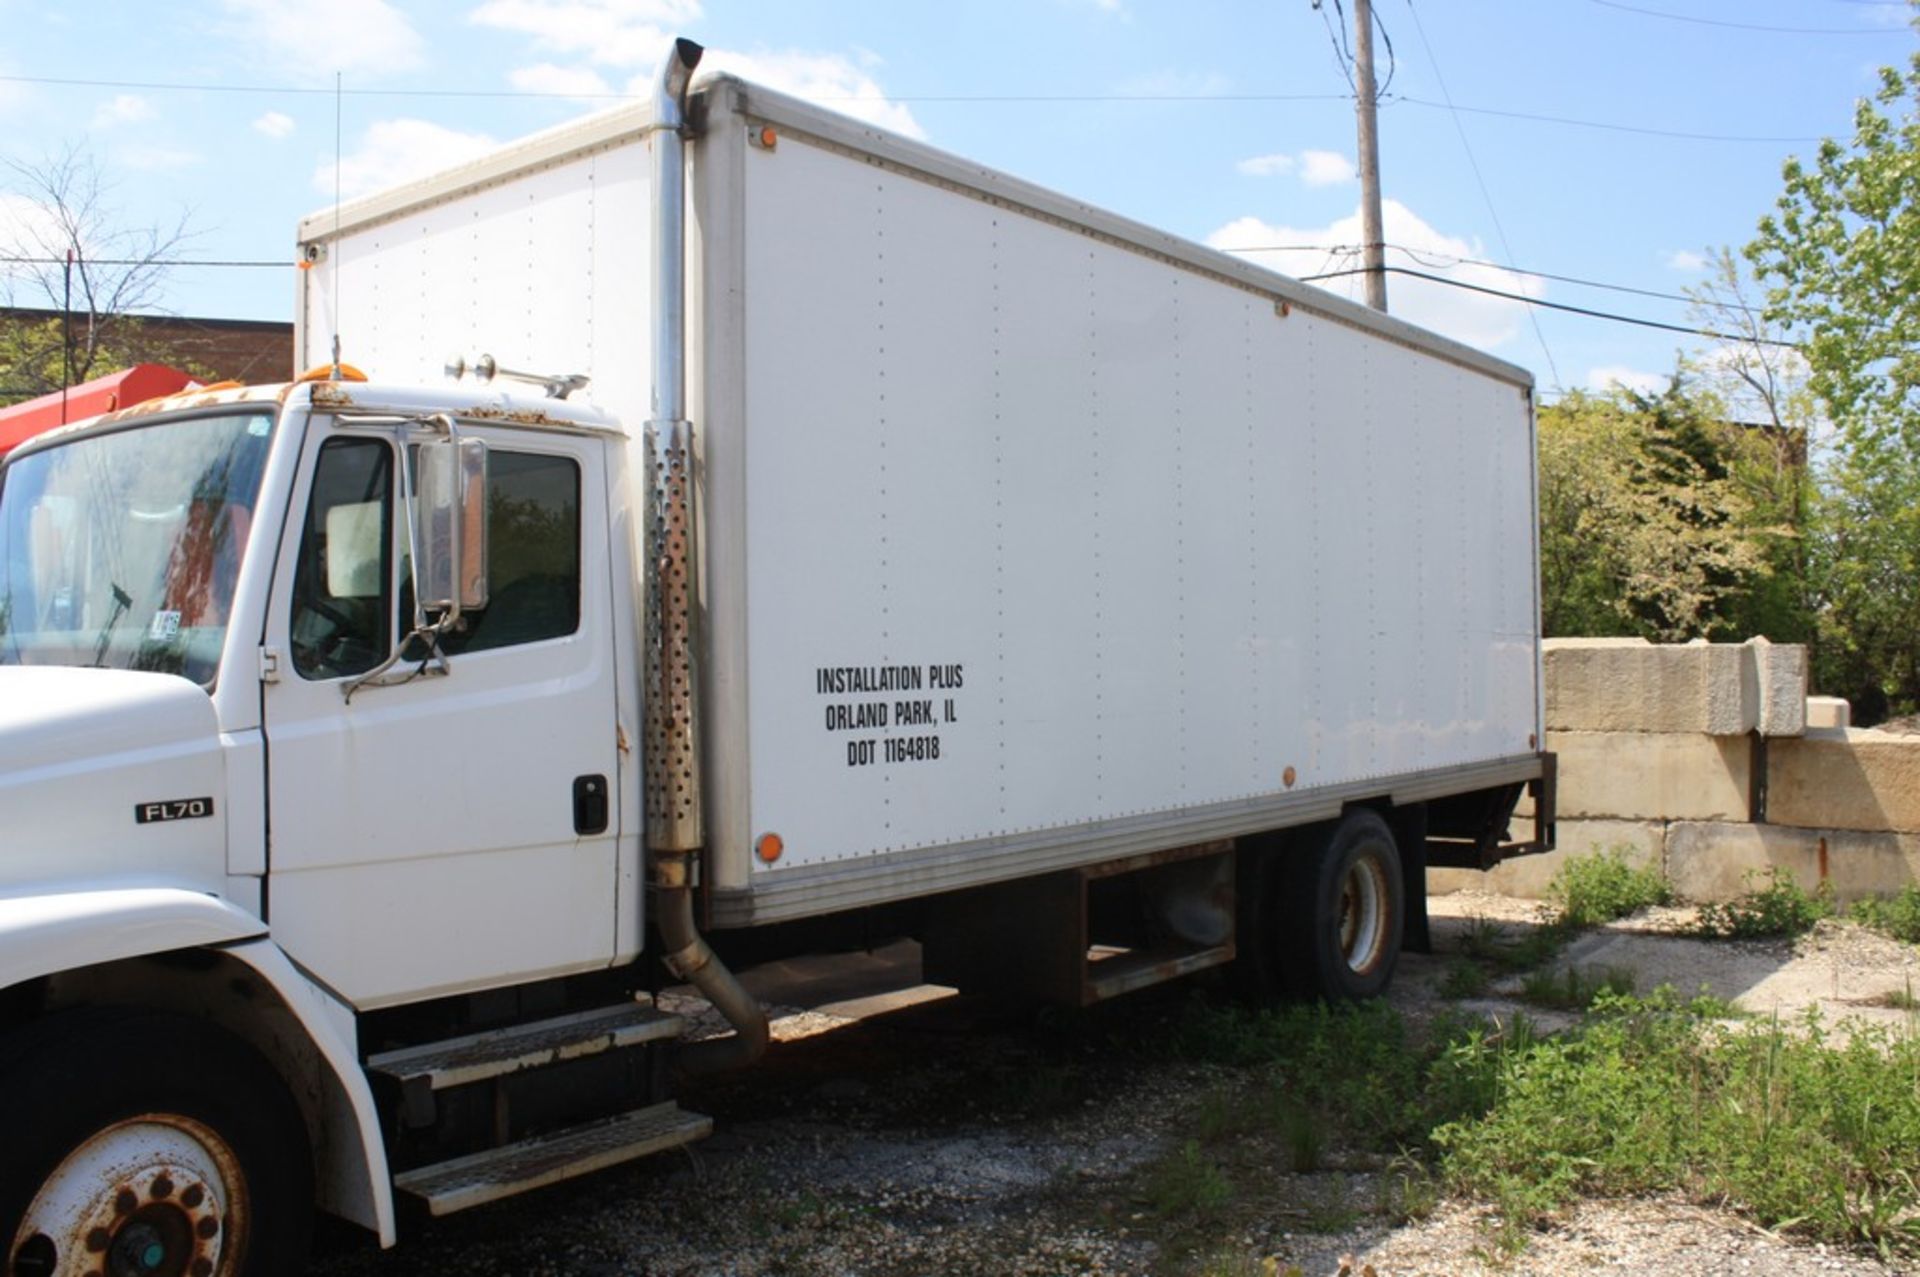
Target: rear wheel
146, 1145
1344, 905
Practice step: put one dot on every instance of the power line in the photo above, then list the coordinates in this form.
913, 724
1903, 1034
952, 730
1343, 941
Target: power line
1473, 162
9, 259
1027, 99
1572, 310
1685, 135
1742, 26
1452, 260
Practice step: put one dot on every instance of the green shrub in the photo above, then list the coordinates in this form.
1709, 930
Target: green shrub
1896, 916
1780, 908
1594, 889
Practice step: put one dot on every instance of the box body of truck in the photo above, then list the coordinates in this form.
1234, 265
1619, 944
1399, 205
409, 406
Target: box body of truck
1030, 537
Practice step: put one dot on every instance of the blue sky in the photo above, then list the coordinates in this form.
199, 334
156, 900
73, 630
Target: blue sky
1226, 122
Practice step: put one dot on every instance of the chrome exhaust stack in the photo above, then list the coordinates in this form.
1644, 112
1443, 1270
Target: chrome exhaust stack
675, 828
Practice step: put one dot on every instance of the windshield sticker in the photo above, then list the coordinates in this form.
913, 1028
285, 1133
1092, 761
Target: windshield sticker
165, 627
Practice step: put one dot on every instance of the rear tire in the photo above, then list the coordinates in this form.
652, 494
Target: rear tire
1344, 901
148, 1145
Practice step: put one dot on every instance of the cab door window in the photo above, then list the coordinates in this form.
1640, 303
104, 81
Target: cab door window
342, 589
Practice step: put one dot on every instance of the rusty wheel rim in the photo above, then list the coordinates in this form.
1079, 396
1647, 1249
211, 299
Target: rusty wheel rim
1363, 915
159, 1195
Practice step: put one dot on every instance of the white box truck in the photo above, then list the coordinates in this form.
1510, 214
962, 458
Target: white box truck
926, 554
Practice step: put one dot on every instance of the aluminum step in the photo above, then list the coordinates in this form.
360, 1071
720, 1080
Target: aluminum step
497, 1052
480, 1178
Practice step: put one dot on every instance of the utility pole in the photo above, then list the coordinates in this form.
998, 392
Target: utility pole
1374, 249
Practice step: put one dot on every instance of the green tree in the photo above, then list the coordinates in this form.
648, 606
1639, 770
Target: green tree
1841, 257
1644, 529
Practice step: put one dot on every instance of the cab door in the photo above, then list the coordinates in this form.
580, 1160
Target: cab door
439, 833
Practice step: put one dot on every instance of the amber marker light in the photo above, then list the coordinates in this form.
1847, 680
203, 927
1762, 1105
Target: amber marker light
769, 847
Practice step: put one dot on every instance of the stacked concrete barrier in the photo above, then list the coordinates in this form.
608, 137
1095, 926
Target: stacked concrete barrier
1698, 759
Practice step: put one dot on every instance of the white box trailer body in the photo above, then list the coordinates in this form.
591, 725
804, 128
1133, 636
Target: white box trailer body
1032, 536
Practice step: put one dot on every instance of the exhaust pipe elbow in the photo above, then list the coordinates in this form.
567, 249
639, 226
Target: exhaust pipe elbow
676, 73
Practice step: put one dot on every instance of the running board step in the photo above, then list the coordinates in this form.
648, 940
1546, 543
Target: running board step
1125, 972
479, 1056
480, 1178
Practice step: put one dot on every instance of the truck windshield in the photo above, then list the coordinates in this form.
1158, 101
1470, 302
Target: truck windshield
121, 550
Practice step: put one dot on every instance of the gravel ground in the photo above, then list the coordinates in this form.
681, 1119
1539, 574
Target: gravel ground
920, 1134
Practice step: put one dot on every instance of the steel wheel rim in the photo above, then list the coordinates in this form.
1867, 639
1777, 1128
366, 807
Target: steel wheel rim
1363, 914
159, 1195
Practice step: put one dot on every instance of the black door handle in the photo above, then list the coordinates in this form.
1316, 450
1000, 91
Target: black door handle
589, 804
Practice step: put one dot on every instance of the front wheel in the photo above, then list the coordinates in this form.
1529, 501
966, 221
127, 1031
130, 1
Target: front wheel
1345, 906
146, 1145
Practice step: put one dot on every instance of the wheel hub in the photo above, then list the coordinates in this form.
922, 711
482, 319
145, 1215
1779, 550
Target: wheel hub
154, 1196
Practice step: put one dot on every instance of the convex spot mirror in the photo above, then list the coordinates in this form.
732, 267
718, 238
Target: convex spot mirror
450, 526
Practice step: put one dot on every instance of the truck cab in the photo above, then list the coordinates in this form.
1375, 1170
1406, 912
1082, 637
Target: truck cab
248, 772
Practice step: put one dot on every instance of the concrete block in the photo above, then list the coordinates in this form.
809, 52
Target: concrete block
1709, 861
1528, 876
1828, 711
1780, 677
1653, 775
1630, 685
1845, 778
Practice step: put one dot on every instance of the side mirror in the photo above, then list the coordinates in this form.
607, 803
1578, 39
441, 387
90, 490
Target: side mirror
450, 526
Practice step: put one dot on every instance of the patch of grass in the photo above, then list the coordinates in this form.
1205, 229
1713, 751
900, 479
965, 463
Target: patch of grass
1896, 916
1813, 1136
1595, 889
1334, 1212
1302, 1132
1575, 988
1485, 941
1187, 1184
1780, 907
1464, 978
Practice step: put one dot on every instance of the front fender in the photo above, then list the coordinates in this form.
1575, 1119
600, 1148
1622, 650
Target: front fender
67, 931
62, 931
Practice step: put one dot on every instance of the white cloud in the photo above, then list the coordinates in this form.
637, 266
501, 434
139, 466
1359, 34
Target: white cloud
353, 36
618, 33
1686, 261
28, 228
1325, 168
1266, 165
274, 125
1608, 376
124, 108
572, 82
395, 151
1473, 318
633, 35
828, 79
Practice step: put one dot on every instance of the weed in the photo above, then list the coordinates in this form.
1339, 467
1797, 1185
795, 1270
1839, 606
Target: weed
1898, 999
1464, 978
1574, 988
1303, 1134
1224, 1113
1811, 1135
1333, 1213
1595, 889
1896, 916
1186, 1183
1779, 908
1409, 1190
1487, 942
